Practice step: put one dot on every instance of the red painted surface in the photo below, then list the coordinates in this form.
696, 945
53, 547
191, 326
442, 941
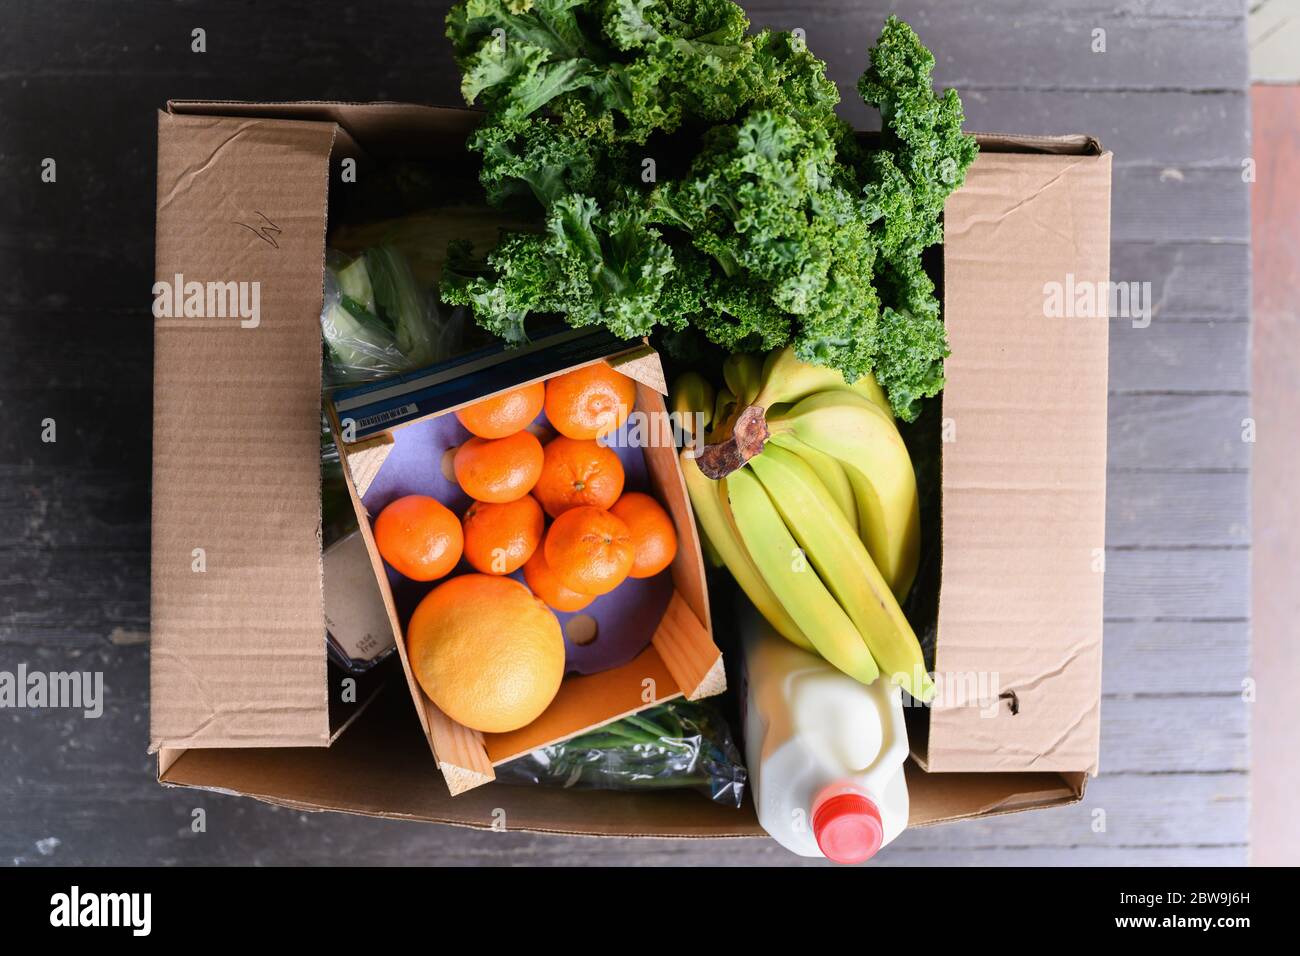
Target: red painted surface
1275, 234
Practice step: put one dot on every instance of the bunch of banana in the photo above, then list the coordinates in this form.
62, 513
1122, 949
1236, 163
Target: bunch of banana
807, 494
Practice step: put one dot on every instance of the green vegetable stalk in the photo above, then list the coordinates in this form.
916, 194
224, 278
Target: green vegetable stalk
686, 174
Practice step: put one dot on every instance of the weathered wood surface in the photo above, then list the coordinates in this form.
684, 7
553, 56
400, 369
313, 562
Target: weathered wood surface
81, 82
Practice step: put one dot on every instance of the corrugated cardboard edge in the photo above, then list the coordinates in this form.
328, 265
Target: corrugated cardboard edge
1024, 583
1036, 791
234, 196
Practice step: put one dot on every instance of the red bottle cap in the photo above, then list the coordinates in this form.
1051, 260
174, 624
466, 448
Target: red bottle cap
847, 825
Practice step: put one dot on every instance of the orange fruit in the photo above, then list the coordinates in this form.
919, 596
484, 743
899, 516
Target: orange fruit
419, 537
504, 414
653, 535
576, 472
589, 550
590, 401
499, 538
498, 469
487, 652
543, 582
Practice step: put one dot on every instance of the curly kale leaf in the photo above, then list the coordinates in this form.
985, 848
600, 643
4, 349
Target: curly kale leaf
922, 129
537, 159
786, 77
782, 229
619, 70
791, 247
911, 350
925, 157
591, 266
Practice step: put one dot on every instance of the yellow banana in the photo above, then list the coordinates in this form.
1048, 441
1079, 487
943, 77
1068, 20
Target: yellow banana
743, 373
835, 551
829, 471
723, 407
712, 514
795, 584
850, 428
788, 379
691, 396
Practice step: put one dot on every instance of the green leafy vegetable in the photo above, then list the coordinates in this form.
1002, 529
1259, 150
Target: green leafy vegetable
689, 176
676, 745
376, 319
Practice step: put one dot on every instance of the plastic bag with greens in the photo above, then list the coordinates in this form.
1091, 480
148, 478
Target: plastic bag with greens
676, 745
376, 319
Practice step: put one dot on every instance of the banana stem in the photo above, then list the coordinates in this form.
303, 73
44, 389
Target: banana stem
748, 436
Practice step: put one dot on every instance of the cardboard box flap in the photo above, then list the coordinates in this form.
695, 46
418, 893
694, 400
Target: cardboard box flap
1073, 144
1026, 263
238, 653
405, 130
380, 767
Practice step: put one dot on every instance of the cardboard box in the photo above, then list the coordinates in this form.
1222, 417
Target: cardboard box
238, 670
404, 430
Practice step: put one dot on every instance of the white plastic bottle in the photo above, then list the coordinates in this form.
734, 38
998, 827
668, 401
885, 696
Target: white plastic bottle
825, 752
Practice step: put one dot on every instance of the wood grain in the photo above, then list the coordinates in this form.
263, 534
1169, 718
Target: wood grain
1178, 510
1152, 584
1183, 432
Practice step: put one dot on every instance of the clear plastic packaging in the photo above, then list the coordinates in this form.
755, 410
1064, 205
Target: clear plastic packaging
377, 321
677, 745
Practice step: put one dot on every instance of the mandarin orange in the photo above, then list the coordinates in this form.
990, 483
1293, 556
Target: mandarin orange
578, 472
653, 535
504, 414
589, 402
544, 583
419, 537
499, 538
589, 550
498, 469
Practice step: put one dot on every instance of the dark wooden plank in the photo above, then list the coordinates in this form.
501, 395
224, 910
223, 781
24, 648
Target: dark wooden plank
73, 596
68, 509
1178, 432
1153, 734
1142, 128
1140, 810
1189, 280
100, 348
1209, 584
1075, 856
1023, 45
1180, 509
1172, 356
1174, 657
1154, 204
98, 427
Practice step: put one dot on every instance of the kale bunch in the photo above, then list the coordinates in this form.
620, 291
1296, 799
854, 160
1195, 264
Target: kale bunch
689, 175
